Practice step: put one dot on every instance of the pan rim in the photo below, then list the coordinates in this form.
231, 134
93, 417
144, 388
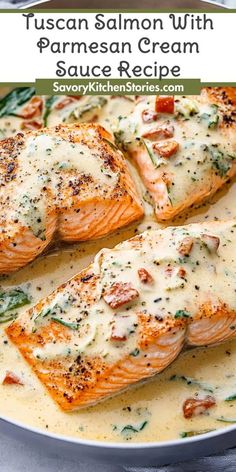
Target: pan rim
119, 445
206, 2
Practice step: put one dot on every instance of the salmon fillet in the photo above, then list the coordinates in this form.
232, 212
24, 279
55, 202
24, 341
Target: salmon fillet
184, 147
69, 182
129, 314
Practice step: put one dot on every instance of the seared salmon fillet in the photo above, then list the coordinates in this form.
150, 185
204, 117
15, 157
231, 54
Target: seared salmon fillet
69, 182
130, 313
184, 147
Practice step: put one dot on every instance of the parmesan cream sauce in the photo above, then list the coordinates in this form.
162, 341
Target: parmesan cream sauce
194, 162
40, 164
151, 411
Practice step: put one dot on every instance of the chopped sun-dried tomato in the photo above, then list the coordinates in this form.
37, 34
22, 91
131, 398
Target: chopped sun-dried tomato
161, 132
32, 109
119, 294
66, 101
169, 271
185, 246
165, 104
145, 276
212, 242
114, 337
31, 125
181, 272
195, 406
148, 116
11, 379
166, 149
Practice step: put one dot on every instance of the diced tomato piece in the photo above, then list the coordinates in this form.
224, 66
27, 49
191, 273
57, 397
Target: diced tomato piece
168, 271
194, 406
145, 276
161, 132
120, 294
181, 272
185, 246
64, 103
32, 109
148, 116
11, 379
76, 97
166, 149
212, 242
32, 124
114, 337
165, 104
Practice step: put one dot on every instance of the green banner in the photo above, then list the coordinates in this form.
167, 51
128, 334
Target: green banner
117, 86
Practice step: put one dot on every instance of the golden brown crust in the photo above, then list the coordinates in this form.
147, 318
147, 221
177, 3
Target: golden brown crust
77, 208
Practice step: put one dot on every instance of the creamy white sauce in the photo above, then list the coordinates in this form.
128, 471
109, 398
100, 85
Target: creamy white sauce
202, 149
9, 126
44, 162
157, 403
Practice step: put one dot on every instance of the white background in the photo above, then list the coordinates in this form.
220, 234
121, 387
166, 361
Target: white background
22, 62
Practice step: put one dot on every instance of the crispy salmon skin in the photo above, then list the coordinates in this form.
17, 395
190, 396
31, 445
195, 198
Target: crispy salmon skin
129, 314
69, 182
184, 146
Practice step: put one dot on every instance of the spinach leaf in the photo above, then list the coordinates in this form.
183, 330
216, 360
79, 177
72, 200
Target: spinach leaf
74, 326
134, 429
48, 107
120, 140
42, 314
14, 99
11, 300
135, 352
149, 152
53, 312
220, 161
190, 381
231, 398
226, 420
182, 314
91, 104
189, 434
212, 118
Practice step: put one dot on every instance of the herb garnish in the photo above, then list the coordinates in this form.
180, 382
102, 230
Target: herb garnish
135, 352
226, 420
191, 381
73, 326
13, 100
48, 107
231, 398
11, 300
182, 314
92, 103
134, 429
189, 434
